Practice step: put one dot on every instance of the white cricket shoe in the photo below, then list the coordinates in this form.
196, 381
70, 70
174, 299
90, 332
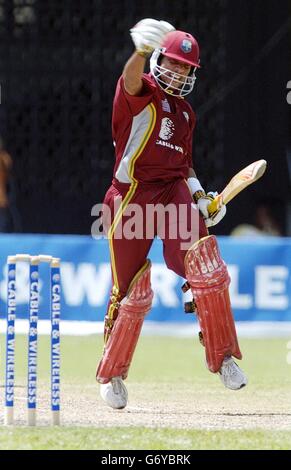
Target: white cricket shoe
231, 375
114, 393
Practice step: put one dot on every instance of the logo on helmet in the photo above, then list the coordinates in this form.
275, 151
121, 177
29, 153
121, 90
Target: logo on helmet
186, 46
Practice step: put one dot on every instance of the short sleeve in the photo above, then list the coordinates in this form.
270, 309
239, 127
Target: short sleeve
136, 103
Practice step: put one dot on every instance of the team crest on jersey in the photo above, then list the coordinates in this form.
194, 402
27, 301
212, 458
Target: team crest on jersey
186, 115
186, 46
167, 129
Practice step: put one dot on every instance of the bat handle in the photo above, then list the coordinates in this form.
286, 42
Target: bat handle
213, 206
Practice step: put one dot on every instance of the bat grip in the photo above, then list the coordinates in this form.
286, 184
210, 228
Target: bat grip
213, 206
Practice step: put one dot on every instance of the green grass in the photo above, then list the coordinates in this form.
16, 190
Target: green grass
165, 364
140, 438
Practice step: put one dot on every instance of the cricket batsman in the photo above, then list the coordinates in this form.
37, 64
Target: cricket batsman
152, 128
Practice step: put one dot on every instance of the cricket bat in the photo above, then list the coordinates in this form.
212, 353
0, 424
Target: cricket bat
240, 181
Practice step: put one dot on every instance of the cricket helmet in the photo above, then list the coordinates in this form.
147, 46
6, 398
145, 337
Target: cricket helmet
180, 46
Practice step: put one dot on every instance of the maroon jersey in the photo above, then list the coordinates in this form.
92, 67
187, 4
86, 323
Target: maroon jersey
152, 134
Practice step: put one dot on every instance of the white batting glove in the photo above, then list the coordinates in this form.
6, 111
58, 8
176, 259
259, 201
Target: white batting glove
203, 202
148, 35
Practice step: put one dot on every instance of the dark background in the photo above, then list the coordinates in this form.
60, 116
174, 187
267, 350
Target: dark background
59, 62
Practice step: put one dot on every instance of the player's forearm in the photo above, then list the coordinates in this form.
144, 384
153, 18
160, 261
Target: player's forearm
132, 74
192, 173
194, 183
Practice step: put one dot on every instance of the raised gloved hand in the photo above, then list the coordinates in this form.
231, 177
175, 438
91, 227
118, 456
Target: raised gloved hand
203, 200
148, 35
